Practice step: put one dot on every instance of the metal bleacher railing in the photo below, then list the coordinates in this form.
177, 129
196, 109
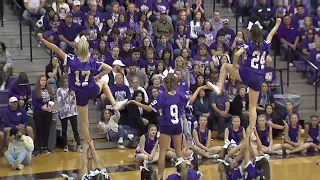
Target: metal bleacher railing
32, 25
314, 67
1, 11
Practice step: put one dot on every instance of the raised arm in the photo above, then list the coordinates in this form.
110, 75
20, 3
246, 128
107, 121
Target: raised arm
237, 55
274, 30
53, 47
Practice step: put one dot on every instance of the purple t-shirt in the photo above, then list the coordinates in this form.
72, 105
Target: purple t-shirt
288, 34
308, 44
70, 33
140, 3
140, 63
170, 107
182, 37
158, 6
229, 35
182, 3
120, 93
150, 67
315, 57
123, 27
316, 21
79, 17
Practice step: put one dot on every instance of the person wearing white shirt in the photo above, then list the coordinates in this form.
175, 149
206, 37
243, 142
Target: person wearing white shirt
35, 7
19, 150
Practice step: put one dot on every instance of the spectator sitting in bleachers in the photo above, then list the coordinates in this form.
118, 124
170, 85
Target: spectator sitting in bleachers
132, 16
286, 115
240, 106
119, 90
134, 71
115, 51
19, 149
20, 92
202, 105
163, 27
314, 58
136, 58
289, 38
79, 16
156, 84
274, 121
196, 26
72, 2
134, 86
264, 14
96, 13
113, 16
53, 73
164, 44
68, 31
61, 8
110, 127
177, 6
5, 65
16, 117
298, 17
265, 97
216, 22
271, 76
229, 33
34, 8
221, 106
308, 44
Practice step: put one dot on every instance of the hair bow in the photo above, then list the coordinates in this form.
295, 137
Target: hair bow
251, 24
180, 160
97, 172
228, 143
265, 156
166, 72
77, 39
67, 177
223, 161
145, 166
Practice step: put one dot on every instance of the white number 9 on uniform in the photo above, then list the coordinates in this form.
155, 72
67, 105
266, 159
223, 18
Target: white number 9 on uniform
174, 112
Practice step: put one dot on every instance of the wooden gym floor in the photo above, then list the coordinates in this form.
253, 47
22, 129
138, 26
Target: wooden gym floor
121, 166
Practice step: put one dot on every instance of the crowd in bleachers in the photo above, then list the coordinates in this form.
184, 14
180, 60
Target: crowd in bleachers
145, 40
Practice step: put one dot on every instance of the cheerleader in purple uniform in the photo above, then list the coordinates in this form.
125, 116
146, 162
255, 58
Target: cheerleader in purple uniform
202, 138
313, 130
265, 135
170, 106
147, 149
235, 132
292, 142
83, 78
253, 71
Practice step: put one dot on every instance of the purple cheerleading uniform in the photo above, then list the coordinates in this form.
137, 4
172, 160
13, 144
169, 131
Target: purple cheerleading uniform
192, 175
293, 133
252, 72
170, 108
203, 136
264, 136
249, 173
313, 135
235, 135
81, 78
148, 145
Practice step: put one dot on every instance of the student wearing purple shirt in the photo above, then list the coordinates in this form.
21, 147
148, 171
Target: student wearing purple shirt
171, 105
20, 92
163, 44
143, 23
288, 35
135, 57
308, 43
297, 19
197, 7
114, 40
183, 85
181, 38
119, 90
151, 63
203, 58
229, 33
316, 18
91, 31
97, 15
176, 6
200, 42
315, 59
183, 17
122, 25
271, 76
114, 56
79, 17
220, 41
67, 32
158, 6
103, 50
208, 33
113, 16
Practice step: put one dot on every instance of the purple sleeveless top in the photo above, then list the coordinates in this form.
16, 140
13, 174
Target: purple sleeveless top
293, 133
264, 135
313, 135
203, 136
236, 136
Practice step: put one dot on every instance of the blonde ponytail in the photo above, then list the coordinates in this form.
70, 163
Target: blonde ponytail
184, 171
82, 49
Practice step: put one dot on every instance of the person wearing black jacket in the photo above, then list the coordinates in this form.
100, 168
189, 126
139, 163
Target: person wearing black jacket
240, 107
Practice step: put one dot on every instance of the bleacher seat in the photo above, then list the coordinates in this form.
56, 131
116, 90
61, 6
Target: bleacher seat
300, 65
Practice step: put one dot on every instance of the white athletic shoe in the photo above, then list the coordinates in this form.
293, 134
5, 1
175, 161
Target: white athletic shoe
214, 88
121, 146
120, 141
120, 104
130, 137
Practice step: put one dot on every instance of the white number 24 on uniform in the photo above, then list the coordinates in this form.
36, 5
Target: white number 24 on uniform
258, 59
174, 113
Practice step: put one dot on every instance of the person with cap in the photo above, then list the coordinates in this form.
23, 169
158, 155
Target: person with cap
79, 17
16, 117
117, 68
68, 31
264, 13
72, 2
33, 7
229, 33
162, 26
19, 150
